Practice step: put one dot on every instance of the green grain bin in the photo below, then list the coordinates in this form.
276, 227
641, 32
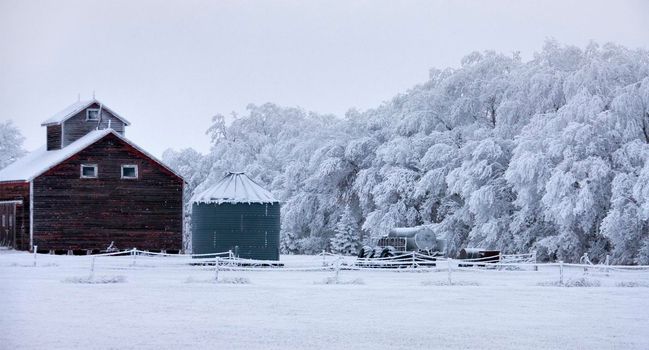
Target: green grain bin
239, 215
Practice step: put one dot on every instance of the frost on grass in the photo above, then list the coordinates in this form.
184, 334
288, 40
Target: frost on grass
224, 280
511, 268
577, 282
96, 280
632, 284
32, 265
131, 266
453, 283
332, 280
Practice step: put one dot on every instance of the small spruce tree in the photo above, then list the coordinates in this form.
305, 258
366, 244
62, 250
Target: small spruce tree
643, 254
288, 243
346, 239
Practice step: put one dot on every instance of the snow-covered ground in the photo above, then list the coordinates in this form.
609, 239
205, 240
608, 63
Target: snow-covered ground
162, 303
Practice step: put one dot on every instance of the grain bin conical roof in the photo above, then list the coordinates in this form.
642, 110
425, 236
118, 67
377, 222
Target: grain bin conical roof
235, 187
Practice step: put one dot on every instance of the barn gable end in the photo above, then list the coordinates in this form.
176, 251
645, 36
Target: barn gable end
71, 212
77, 126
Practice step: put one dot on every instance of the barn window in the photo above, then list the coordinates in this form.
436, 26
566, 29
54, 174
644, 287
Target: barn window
129, 171
92, 114
88, 171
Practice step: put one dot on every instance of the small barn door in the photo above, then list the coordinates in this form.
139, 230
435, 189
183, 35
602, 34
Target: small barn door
8, 224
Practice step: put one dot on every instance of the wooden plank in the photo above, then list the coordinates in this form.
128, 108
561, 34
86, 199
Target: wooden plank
17, 202
54, 134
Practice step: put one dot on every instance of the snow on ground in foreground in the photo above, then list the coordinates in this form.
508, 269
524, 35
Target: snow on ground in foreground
161, 304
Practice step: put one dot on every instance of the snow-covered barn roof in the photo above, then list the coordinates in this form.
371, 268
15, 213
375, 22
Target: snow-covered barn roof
235, 187
77, 107
41, 160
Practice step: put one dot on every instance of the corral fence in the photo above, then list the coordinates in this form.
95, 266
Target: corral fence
506, 269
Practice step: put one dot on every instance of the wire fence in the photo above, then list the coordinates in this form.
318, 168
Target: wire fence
502, 270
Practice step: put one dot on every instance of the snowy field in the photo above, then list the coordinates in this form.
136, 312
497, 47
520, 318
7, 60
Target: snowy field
163, 303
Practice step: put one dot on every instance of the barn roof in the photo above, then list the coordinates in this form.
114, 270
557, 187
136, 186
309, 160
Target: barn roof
235, 187
72, 110
41, 160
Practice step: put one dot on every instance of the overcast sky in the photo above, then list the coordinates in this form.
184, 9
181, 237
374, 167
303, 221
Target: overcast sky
169, 66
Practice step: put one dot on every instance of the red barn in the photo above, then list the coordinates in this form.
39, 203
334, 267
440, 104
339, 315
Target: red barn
90, 187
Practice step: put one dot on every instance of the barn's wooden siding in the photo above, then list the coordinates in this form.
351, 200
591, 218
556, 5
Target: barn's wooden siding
77, 126
54, 137
74, 213
12, 191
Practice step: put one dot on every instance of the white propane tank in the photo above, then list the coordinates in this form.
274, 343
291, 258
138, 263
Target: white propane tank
417, 238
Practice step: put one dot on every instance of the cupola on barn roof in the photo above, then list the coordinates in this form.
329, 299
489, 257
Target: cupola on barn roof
235, 187
77, 107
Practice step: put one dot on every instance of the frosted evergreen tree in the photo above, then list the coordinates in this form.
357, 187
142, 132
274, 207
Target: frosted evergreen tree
643, 254
287, 243
346, 240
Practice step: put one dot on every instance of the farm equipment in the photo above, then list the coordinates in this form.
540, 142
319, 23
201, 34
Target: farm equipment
404, 247
478, 257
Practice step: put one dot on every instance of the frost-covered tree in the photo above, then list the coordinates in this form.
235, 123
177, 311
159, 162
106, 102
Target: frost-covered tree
479, 181
11, 143
292, 153
193, 167
346, 239
548, 154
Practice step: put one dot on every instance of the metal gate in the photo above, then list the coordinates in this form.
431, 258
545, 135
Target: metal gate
8, 224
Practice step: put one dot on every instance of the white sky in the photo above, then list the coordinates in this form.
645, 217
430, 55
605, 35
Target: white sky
168, 66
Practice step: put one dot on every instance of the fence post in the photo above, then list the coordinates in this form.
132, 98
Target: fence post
216, 269
324, 261
35, 252
585, 261
92, 268
607, 262
414, 262
134, 253
450, 280
337, 270
561, 272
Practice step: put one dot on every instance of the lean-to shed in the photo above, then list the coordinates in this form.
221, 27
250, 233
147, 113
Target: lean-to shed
239, 215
